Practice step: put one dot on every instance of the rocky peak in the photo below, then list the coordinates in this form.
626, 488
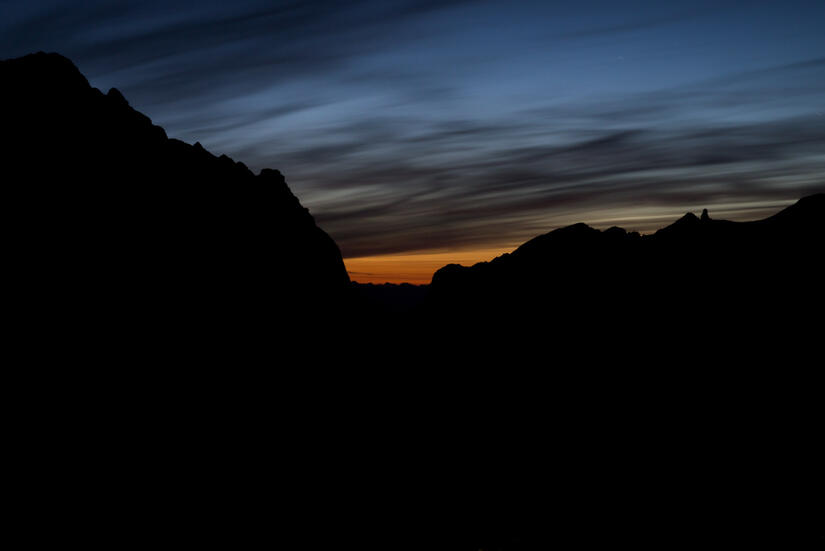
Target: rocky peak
115, 95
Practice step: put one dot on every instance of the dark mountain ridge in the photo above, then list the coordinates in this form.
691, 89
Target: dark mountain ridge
695, 273
106, 207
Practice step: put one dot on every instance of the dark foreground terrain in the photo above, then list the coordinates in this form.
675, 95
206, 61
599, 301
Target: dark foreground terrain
189, 364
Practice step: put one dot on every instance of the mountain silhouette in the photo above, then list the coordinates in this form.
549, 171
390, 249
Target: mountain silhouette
695, 273
114, 222
660, 389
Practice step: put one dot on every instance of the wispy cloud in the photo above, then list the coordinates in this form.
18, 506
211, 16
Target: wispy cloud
431, 125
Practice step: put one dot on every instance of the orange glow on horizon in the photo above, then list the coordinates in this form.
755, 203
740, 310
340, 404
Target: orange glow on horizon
415, 268
418, 268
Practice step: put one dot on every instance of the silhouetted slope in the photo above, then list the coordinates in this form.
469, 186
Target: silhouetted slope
700, 271
109, 215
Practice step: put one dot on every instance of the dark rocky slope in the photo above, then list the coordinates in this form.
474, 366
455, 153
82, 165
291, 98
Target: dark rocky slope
111, 220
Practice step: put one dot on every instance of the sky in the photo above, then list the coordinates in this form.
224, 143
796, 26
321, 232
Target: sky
420, 133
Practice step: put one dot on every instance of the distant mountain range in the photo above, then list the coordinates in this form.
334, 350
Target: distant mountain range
697, 270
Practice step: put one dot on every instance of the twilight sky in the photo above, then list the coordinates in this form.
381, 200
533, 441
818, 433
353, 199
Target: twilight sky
461, 128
